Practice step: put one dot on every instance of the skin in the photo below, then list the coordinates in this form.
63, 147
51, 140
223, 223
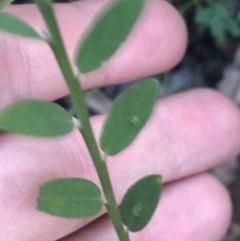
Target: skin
187, 134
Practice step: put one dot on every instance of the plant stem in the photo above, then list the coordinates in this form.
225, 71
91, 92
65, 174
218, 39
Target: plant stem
57, 46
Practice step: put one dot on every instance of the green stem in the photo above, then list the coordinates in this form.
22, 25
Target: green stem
57, 46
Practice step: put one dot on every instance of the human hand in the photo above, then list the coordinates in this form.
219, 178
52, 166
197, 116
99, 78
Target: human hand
187, 134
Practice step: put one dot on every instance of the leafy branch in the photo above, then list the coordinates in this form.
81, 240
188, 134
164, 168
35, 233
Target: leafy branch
76, 197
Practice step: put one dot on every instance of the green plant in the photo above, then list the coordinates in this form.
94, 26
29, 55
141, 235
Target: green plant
215, 16
75, 197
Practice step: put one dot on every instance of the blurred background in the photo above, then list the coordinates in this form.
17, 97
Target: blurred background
212, 60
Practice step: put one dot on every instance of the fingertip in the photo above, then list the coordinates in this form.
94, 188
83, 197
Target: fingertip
211, 207
175, 32
218, 207
202, 127
195, 208
223, 120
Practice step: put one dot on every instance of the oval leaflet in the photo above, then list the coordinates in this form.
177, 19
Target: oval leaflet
140, 202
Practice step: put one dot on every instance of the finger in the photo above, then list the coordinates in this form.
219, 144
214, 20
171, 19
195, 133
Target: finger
186, 134
28, 68
196, 208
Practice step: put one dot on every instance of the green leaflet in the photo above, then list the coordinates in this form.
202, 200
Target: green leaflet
128, 115
70, 198
109, 31
13, 25
35, 118
140, 202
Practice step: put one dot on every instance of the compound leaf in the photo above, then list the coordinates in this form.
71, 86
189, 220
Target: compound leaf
35, 118
128, 115
140, 202
70, 198
107, 34
13, 25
